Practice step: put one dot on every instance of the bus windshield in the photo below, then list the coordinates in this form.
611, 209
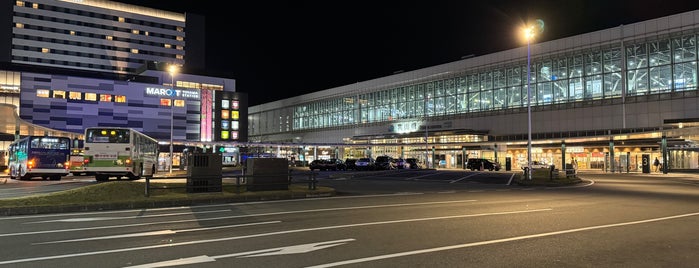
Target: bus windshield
107, 136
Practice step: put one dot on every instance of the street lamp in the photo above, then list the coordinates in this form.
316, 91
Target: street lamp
172, 69
529, 35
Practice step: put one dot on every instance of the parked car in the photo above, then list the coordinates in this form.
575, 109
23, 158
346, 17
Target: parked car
477, 163
366, 163
385, 162
402, 163
350, 164
413, 163
335, 164
317, 164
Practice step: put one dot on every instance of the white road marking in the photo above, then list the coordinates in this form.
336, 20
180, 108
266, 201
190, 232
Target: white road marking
266, 234
511, 178
230, 217
129, 217
466, 177
415, 252
161, 232
297, 249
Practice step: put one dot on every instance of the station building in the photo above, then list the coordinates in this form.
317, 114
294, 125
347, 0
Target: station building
68, 65
608, 100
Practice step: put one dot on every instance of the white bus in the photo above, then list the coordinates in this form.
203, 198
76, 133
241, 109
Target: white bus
119, 152
39, 156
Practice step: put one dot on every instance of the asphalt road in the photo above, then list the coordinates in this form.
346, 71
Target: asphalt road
612, 220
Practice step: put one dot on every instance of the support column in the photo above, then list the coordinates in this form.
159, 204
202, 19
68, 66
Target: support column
663, 148
611, 154
432, 157
464, 157
563, 156
495, 146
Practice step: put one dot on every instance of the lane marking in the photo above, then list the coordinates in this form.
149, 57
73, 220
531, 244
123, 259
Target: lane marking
152, 233
466, 177
195, 242
487, 242
511, 178
231, 217
297, 249
128, 217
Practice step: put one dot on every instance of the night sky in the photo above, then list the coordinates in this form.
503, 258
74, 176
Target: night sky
280, 49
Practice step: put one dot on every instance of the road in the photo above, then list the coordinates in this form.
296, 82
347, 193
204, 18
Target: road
613, 220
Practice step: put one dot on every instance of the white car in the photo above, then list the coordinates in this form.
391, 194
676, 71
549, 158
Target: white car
536, 165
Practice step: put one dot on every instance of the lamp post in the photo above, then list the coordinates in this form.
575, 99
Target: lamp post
427, 145
529, 35
172, 69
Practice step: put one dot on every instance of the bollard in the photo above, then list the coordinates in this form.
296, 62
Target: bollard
147, 186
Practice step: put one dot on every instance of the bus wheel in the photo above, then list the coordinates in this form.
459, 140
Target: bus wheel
101, 177
55, 177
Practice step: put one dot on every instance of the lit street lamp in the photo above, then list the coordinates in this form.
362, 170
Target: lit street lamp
172, 69
529, 34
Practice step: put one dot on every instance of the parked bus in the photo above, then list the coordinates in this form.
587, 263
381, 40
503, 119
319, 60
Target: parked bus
77, 160
119, 152
39, 156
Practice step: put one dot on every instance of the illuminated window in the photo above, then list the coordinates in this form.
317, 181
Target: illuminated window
179, 57
134, 31
168, 46
234, 135
225, 114
42, 93
19, 25
224, 135
179, 47
45, 50
234, 125
225, 104
106, 97
72, 32
165, 102
179, 103
224, 124
75, 95
20, 3
91, 96
146, 33
109, 37
59, 94
236, 105
134, 51
120, 98
180, 29
235, 115
35, 5
180, 38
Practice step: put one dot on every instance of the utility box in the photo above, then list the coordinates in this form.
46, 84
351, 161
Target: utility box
267, 174
204, 173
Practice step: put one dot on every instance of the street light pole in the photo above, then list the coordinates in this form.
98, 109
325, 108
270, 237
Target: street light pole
427, 145
172, 70
529, 110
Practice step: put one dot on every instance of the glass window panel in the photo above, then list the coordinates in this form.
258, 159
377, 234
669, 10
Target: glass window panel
514, 96
660, 79
685, 48
612, 60
612, 85
461, 85
575, 87
575, 66
544, 93
499, 98
637, 82
439, 106
514, 76
685, 76
545, 71
659, 53
593, 87
474, 102
499, 78
439, 88
560, 90
593, 63
451, 104
486, 80
560, 69
42, 93
525, 98
462, 100
487, 100
473, 85
91, 96
636, 56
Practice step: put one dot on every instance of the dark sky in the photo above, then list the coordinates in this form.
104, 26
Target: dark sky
280, 49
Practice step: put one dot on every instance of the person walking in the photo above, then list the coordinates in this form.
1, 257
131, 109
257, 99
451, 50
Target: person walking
656, 164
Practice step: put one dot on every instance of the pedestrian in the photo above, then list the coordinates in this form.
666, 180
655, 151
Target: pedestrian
656, 164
